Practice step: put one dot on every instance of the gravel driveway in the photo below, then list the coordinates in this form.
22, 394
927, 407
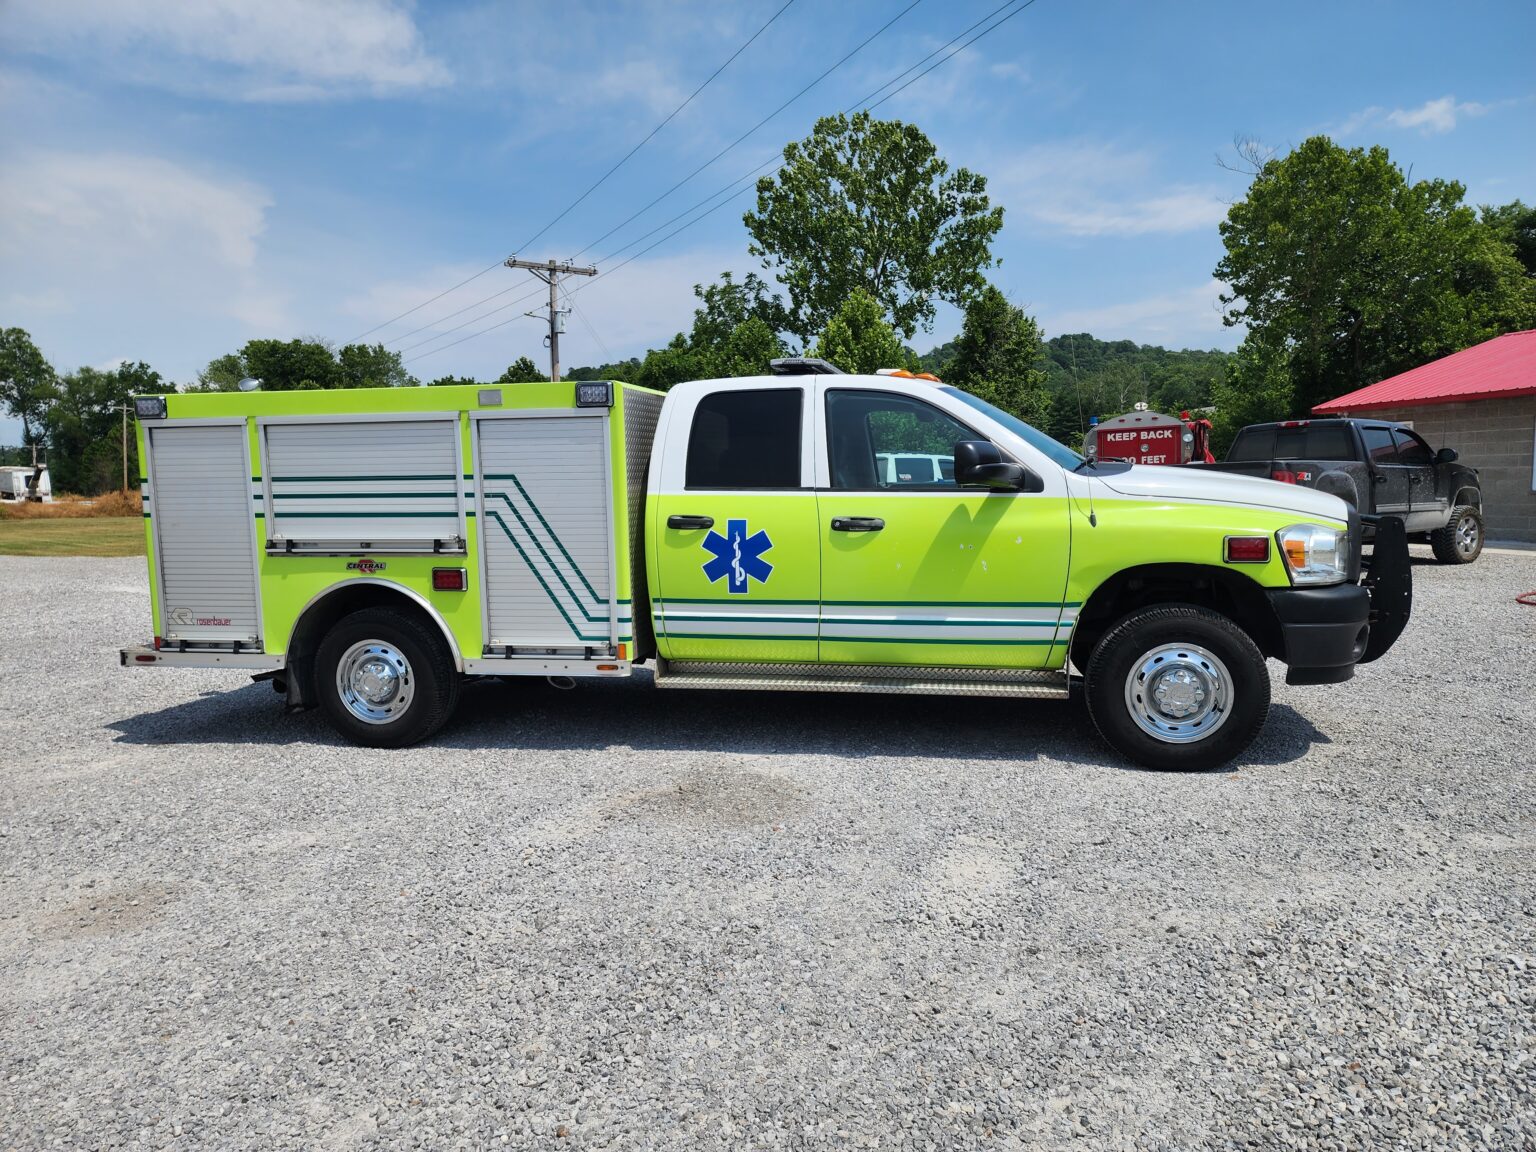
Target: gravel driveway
619, 918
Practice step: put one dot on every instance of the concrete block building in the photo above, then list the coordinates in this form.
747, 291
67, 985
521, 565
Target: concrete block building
1480, 401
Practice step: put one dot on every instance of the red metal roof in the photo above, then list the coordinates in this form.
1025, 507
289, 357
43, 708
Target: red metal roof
1503, 366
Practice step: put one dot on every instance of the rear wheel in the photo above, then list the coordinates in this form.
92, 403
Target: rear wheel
1177, 687
1461, 540
386, 678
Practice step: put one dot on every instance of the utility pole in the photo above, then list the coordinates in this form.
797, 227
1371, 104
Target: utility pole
550, 272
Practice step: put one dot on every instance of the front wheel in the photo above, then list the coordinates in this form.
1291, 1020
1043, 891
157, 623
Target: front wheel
386, 678
1177, 687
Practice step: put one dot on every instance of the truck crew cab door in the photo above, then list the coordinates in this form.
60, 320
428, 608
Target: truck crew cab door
914, 569
733, 531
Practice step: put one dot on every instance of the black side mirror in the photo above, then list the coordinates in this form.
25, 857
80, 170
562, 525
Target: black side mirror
978, 464
1446, 456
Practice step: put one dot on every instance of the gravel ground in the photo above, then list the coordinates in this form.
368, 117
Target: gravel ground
620, 918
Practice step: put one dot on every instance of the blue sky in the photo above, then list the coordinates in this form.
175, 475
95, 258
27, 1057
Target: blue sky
176, 179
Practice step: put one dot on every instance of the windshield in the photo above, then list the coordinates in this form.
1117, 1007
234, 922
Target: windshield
1058, 452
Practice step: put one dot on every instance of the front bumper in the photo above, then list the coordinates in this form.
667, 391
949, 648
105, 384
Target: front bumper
1327, 631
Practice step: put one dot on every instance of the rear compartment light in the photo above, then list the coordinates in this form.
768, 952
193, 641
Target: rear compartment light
450, 579
1283, 476
1247, 550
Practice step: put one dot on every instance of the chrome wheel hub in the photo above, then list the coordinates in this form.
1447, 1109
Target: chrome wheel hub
374, 681
1466, 535
1179, 693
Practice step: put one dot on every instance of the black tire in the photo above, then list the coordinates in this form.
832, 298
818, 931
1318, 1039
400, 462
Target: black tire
1182, 748
1461, 540
419, 671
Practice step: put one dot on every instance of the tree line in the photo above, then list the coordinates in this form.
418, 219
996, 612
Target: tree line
1341, 269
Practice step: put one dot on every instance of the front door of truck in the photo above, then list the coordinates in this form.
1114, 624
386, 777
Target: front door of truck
918, 571
1388, 476
1429, 508
733, 529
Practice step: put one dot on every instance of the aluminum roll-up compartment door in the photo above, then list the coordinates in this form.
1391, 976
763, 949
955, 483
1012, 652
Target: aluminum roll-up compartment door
547, 524
363, 483
204, 531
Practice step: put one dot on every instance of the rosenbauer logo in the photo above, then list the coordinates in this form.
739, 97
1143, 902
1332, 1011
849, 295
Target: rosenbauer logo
366, 566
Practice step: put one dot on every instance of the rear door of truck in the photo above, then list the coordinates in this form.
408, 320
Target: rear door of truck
734, 530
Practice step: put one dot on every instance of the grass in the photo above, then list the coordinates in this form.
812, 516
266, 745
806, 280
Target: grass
110, 525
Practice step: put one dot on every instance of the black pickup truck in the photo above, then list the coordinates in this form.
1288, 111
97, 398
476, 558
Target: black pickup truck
1380, 468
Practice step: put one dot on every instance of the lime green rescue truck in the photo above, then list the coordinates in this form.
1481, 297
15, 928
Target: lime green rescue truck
369, 550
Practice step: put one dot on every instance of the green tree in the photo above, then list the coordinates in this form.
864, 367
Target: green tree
521, 371
372, 366
26, 383
869, 204
1515, 225
84, 426
1257, 389
1347, 273
678, 361
726, 305
223, 374
999, 357
441, 381
857, 338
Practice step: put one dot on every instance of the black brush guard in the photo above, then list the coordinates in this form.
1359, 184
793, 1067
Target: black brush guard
1388, 576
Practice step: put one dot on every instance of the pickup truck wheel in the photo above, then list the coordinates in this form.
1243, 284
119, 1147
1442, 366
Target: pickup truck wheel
1461, 540
1177, 687
386, 679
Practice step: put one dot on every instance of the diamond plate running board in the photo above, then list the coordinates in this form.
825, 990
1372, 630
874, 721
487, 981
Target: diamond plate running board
1020, 682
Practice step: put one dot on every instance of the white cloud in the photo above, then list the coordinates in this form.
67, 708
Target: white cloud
117, 245
1187, 315
1432, 118
275, 50
1101, 190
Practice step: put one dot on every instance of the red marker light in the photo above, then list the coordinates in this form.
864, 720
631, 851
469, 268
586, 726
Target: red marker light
449, 579
1283, 476
1247, 550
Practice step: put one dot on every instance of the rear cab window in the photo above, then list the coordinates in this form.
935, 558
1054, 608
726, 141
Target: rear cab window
1314, 442
746, 440
1253, 444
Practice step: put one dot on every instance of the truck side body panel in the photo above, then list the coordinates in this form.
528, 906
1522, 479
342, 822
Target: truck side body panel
379, 487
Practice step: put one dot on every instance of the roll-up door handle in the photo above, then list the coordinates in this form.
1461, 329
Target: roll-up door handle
857, 524
687, 522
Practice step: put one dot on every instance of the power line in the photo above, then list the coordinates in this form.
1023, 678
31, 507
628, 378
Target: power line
727, 189
877, 103
475, 319
424, 303
952, 55
451, 315
855, 51
603, 178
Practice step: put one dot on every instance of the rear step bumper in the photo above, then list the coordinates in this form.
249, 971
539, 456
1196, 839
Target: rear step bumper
143, 656
1017, 682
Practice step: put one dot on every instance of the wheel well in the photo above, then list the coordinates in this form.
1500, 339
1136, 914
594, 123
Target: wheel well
342, 600
1472, 496
1232, 594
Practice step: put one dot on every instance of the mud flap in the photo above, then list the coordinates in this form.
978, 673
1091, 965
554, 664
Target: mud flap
1389, 579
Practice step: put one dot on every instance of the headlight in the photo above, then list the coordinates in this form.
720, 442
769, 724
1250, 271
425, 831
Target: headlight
1314, 553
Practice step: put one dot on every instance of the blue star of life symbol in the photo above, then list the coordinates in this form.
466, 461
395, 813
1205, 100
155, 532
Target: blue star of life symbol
737, 556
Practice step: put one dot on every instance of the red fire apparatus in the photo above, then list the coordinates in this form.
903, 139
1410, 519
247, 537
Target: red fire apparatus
1144, 437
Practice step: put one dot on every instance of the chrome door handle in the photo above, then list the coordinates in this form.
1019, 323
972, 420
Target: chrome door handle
857, 524
690, 522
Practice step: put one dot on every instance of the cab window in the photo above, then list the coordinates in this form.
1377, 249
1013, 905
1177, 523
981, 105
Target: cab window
882, 440
1411, 450
747, 439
